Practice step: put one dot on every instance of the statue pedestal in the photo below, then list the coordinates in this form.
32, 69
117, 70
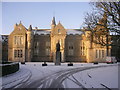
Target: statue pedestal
44, 64
58, 58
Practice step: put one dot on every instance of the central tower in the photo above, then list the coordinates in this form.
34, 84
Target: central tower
58, 34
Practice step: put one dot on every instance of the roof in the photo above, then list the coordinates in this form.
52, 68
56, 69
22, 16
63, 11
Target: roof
42, 31
74, 31
48, 31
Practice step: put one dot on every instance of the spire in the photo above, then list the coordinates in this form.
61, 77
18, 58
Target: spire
53, 21
30, 28
20, 22
59, 22
53, 24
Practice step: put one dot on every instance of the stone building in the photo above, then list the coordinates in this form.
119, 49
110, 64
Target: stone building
40, 44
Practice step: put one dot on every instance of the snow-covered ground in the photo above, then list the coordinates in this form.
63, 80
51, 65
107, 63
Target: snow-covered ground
104, 77
16, 78
94, 77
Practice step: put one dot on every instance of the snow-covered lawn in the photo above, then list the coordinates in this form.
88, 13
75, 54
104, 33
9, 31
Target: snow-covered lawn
34, 71
104, 77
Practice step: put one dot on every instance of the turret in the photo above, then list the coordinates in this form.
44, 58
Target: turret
20, 22
29, 36
53, 24
29, 43
30, 28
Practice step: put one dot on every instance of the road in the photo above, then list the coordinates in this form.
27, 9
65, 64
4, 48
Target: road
55, 80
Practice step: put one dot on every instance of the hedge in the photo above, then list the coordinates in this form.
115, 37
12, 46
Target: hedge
8, 68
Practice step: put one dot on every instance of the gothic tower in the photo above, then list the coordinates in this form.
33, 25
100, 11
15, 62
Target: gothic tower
53, 24
58, 34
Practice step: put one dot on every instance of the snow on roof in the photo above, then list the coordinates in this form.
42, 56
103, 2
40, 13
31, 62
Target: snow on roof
73, 31
39, 32
47, 31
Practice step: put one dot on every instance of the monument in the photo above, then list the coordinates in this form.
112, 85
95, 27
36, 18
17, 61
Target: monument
58, 54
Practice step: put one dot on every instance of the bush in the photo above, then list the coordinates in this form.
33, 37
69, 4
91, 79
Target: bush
9, 68
5, 62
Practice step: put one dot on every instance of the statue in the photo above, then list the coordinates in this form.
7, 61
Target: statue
58, 47
58, 54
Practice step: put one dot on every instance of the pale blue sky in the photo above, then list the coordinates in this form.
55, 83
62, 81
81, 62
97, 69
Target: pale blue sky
39, 14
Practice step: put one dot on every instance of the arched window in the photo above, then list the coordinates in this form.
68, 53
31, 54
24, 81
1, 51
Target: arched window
70, 49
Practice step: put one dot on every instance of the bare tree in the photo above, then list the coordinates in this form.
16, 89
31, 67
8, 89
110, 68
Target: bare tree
104, 19
91, 19
112, 9
97, 24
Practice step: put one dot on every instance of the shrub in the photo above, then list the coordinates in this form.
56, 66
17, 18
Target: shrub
9, 68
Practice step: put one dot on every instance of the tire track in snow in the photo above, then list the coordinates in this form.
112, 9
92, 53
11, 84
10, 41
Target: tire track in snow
55, 80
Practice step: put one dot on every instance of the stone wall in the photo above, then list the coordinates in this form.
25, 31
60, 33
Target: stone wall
39, 48
75, 40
